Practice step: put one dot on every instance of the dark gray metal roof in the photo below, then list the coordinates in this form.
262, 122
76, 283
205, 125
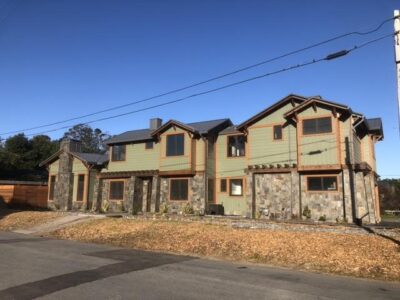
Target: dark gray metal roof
92, 158
375, 126
206, 126
141, 135
230, 129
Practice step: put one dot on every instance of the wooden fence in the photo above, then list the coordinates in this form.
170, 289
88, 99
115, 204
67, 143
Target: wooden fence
23, 194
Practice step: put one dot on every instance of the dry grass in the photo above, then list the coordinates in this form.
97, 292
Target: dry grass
14, 219
350, 254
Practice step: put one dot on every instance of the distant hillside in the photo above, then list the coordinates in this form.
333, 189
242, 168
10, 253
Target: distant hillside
389, 190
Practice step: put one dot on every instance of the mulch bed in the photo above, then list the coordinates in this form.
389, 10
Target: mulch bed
363, 255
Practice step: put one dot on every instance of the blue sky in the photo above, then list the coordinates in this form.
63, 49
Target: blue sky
60, 59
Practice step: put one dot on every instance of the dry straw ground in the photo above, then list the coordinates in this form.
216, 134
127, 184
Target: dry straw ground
363, 255
14, 219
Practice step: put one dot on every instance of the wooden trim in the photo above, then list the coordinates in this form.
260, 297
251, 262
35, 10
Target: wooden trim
243, 186
322, 175
176, 172
123, 190
320, 167
170, 190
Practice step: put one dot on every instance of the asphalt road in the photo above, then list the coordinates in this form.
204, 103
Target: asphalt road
32, 267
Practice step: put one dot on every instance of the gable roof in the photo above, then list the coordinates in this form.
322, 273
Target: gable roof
268, 110
200, 128
87, 158
131, 136
318, 100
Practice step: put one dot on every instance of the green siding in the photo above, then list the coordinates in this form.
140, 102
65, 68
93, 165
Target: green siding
319, 149
200, 155
78, 166
210, 158
264, 150
276, 116
228, 168
356, 149
137, 158
174, 163
54, 167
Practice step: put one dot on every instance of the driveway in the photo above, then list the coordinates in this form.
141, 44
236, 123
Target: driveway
33, 267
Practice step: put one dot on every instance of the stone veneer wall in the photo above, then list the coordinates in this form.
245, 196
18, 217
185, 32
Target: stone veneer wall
197, 197
276, 195
325, 203
107, 205
64, 185
365, 197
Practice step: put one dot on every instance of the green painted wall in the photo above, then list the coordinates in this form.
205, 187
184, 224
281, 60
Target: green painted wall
264, 150
78, 166
318, 149
200, 155
54, 167
357, 149
173, 163
137, 158
228, 168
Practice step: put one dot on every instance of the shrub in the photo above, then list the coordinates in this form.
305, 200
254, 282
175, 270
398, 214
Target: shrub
164, 208
188, 209
105, 206
307, 212
322, 218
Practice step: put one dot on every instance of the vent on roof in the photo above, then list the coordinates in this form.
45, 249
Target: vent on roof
155, 123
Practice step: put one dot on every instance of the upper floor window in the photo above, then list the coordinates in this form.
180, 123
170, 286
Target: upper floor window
118, 152
236, 146
324, 183
175, 144
149, 145
277, 132
319, 125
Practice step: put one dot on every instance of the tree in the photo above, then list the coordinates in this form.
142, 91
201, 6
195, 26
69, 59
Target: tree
92, 139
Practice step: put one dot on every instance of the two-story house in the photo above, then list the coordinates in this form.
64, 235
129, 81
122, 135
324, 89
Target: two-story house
301, 157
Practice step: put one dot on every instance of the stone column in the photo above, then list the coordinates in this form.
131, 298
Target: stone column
295, 194
131, 194
97, 191
64, 184
155, 194
198, 200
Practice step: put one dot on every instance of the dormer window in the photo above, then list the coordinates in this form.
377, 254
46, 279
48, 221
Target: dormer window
236, 146
118, 153
317, 125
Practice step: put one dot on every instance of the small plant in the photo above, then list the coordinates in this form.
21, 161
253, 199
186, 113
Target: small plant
164, 208
105, 206
188, 209
258, 214
307, 212
322, 218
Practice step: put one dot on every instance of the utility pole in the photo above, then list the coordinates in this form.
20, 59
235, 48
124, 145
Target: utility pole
397, 55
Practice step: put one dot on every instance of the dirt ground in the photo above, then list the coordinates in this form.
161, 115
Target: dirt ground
16, 219
362, 255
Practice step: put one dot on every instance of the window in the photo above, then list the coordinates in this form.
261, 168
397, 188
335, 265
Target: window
325, 183
222, 185
314, 126
117, 190
52, 186
175, 144
81, 187
236, 187
118, 152
149, 145
277, 132
236, 146
179, 189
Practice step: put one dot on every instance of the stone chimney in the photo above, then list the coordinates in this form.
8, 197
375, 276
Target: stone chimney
71, 145
155, 123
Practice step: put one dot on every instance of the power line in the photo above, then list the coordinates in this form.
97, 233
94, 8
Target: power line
314, 61
208, 80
